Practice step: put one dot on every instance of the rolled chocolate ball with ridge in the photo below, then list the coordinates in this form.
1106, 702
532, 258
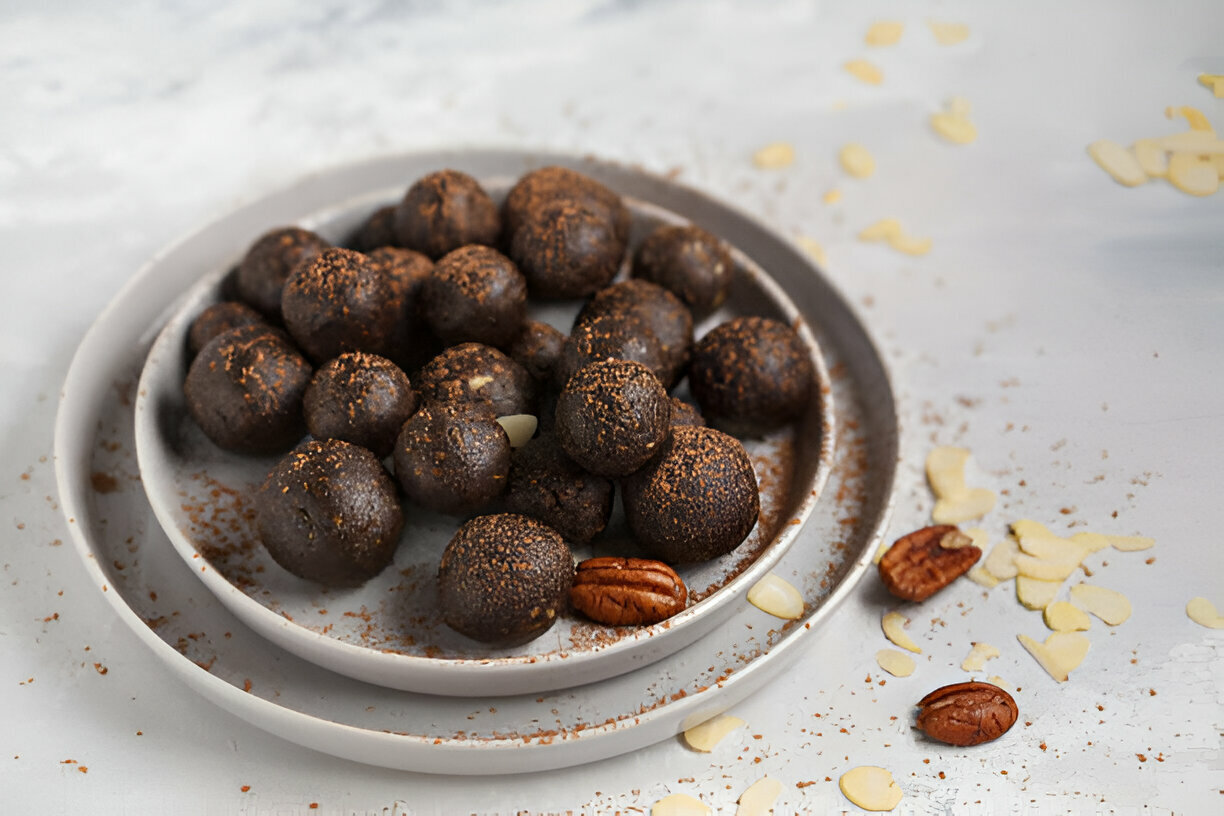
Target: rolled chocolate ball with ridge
262, 273
688, 262
566, 250
476, 372
551, 183
610, 337
452, 457
550, 487
359, 398
612, 417
444, 211
476, 294
661, 311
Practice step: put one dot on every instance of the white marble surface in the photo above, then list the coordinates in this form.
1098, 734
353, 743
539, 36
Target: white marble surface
1064, 328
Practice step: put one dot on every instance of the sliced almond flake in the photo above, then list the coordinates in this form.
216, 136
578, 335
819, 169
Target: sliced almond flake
1028, 527
977, 657
1193, 174
881, 548
883, 230
953, 128
1034, 593
1062, 616
1218, 161
972, 504
1001, 562
1203, 612
945, 470
909, 245
813, 248
1044, 569
898, 664
832, 196
759, 797
1193, 116
1109, 605
996, 680
1198, 142
885, 32
1118, 162
776, 596
774, 156
1214, 83
856, 160
893, 624
1090, 542
519, 428
864, 71
1152, 158
979, 575
871, 788
679, 804
705, 736
1051, 547
1060, 654
949, 33
1130, 543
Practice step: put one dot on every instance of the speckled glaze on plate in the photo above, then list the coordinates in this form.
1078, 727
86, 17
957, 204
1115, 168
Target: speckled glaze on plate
389, 631
131, 561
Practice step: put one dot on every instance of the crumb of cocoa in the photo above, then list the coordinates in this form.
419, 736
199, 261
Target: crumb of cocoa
1042, 746
245, 788
941, 775
1151, 692
103, 482
100, 669
1142, 757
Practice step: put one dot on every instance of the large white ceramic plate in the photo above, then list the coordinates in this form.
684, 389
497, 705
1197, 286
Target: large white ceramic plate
389, 630
132, 562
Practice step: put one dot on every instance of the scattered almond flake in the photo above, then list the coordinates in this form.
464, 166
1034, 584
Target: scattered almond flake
1130, 543
1109, 605
1028, 527
1045, 569
706, 735
871, 788
1034, 593
977, 657
1214, 83
1062, 616
996, 680
911, 246
759, 797
1151, 157
1203, 612
1193, 174
856, 160
885, 32
1193, 116
679, 804
813, 248
1090, 542
864, 71
898, 664
893, 624
1118, 162
1198, 142
1001, 561
883, 230
776, 596
945, 470
519, 428
972, 504
881, 548
774, 156
953, 128
980, 575
949, 33
832, 196
1060, 654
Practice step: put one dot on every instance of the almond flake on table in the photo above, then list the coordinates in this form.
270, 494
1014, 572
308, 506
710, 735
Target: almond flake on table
864, 71
759, 797
680, 804
705, 736
1060, 654
774, 156
949, 33
884, 33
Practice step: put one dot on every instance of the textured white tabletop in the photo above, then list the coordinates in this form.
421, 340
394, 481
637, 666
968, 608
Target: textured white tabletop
1064, 328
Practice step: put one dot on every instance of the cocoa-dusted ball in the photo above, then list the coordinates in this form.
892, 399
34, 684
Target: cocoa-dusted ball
218, 318
444, 211
475, 372
452, 457
610, 337
751, 374
661, 312
684, 413
476, 294
689, 262
339, 301
375, 232
537, 349
566, 249
612, 416
550, 487
696, 500
552, 183
359, 398
244, 389
269, 263
328, 512
504, 579
412, 342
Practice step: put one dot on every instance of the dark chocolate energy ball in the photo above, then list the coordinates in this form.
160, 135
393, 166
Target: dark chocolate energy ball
503, 579
661, 312
697, 500
452, 457
360, 398
328, 512
218, 318
689, 262
269, 263
566, 250
537, 349
751, 374
444, 211
550, 487
475, 372
612, 416
476, 294
375, 232
412, 342
244, 389
552, 183
610, 337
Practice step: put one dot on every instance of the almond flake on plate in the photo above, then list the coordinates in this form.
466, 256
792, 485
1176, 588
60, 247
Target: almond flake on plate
776, 596
706, 735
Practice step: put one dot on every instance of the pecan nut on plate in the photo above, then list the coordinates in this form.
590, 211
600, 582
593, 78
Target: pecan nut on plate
627, 591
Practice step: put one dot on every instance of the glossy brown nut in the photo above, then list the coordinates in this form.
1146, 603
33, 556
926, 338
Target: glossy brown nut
925, 561
967, 713
627, 591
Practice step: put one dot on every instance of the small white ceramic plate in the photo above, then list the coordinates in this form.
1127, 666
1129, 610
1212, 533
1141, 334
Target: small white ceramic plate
389, 631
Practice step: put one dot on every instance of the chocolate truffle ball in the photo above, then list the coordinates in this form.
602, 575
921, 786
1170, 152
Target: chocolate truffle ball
337, 302
566, 250
359, 398
444, 211
537, 349
269, 263
613, 416
552, 183
412, 342
503, 579
689, 262
328, 512
475, 372
684, 413
610, 337
452, 457
476, 294
550, 487
661, 312
244, 389
751, 374
376, 231
696, 500
218, 318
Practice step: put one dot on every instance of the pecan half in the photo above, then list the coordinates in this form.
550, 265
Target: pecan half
967, 713
627, 591
925, 561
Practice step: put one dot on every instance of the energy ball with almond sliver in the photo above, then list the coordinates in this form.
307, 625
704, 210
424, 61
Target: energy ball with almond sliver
661, 312
610, 337
566, 250
337, 302
550, 487
360, 398
444, 211
375, 232
552, 183
475, 294
697, 500
476, 372
244, 389
412, 342
689, 262
218, 318
269, 263
537, 349
328, 512
751, 374
612, 417
504, 579
452, 457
